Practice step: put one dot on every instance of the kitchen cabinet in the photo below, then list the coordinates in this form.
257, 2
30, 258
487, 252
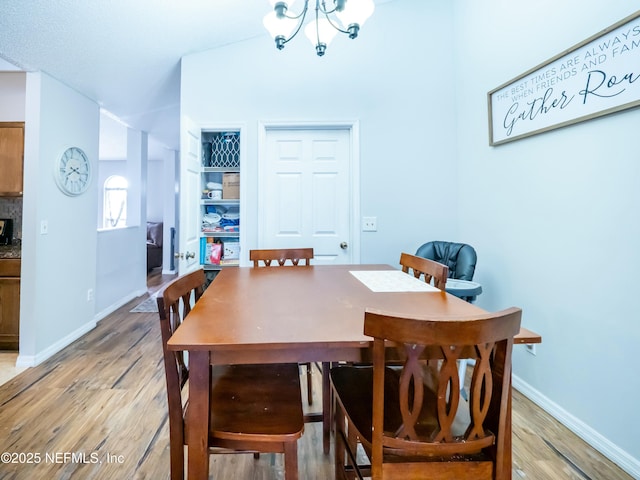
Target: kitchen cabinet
11, 158
9, 304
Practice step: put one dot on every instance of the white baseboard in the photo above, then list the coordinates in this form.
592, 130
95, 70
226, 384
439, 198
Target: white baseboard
33, 360
38, 358
113, 307
610, 450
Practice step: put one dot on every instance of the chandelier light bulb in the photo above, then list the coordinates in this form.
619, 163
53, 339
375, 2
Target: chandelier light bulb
355, 12
282, 8
279, 27
320, 34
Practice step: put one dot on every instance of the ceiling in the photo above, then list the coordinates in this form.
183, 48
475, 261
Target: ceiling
124, 54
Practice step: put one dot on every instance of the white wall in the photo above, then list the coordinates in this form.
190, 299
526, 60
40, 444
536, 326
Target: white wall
120, 269
391, 79
122, 261
155, 191
170, 198
12, 96
554, 220
119, 266
162, 176
57, 268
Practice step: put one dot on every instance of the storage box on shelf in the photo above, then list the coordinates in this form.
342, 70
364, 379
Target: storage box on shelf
220, 203
230, 185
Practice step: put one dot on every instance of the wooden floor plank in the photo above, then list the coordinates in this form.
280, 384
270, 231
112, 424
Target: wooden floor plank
103, 400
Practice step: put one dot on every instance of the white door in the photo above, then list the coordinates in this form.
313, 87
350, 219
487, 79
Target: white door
305, 192
190, 168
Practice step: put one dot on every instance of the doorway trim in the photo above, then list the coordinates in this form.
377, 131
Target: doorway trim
353, 126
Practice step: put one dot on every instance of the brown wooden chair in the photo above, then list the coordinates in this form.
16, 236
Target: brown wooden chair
423, 266
254, 408
411, 431
280, 256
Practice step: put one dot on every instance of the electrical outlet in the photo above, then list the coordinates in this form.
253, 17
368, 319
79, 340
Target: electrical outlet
369, 224
90, 295
531, 348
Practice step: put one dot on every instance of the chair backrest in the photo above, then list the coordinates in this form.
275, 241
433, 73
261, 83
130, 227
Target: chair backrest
459, 257
174, 304
422, 266
281, 255
488, 338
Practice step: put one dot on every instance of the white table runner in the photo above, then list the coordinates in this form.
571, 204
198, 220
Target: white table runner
391, 281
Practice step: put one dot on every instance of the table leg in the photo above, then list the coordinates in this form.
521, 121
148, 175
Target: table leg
505, 457
326, 407
198, 415
508, 446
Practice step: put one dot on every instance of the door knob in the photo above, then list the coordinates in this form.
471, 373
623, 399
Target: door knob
344, 245
190, 255
178, 255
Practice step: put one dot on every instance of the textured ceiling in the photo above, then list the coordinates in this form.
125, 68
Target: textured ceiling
124, 54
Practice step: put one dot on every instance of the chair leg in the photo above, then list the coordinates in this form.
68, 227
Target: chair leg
352, 447
291, 461
309, 384
346, 446
177, 460
339, 444
327, 395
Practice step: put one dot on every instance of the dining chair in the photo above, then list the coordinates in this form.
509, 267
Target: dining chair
253, 408
280, 256
411, 430
461, 260
423, 266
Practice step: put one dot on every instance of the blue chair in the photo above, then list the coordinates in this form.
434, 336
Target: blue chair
459, 257
461, 260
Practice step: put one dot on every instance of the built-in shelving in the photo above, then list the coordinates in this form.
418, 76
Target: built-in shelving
220, 200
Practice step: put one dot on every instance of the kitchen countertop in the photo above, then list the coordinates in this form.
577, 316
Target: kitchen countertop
10, 251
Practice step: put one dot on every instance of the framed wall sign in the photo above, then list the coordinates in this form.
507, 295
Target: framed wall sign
596, 77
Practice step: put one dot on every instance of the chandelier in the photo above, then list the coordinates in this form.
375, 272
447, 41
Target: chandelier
344, 16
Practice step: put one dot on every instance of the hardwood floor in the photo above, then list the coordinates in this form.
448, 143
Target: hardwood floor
8, 368
97, 410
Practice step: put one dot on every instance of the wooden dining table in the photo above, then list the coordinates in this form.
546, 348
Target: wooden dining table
291, 314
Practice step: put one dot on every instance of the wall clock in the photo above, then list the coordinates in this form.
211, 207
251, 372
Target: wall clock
73, 171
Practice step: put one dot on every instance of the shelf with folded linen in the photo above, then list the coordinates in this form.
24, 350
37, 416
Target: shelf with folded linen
219, 219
